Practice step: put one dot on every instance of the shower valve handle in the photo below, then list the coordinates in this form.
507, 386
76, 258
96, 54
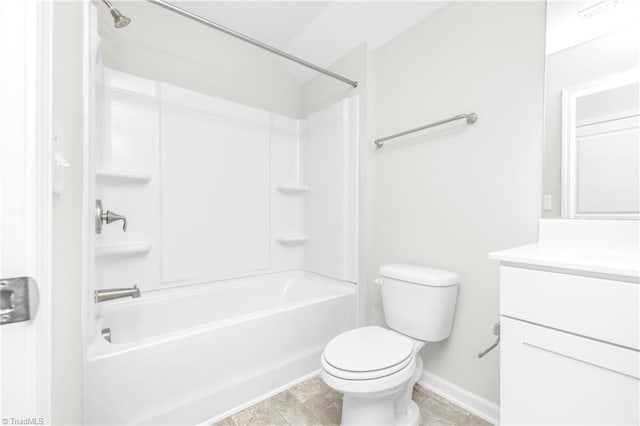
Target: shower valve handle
111, 217
108, 217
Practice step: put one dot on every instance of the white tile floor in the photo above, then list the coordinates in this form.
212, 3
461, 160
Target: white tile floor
313, 403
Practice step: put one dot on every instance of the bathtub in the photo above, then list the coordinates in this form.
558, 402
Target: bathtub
188, 356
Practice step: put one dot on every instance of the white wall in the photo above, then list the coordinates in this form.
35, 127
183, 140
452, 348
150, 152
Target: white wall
322, 91
67, 368
448, 197
161, 45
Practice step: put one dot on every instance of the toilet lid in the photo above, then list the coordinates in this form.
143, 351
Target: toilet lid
368, 349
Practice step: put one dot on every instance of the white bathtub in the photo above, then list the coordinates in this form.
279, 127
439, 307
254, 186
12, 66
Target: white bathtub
187, 356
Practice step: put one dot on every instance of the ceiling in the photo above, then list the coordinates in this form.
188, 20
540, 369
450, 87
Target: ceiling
318, 31
566, 27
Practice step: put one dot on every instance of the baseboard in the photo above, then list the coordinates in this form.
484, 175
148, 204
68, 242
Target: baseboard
471, 402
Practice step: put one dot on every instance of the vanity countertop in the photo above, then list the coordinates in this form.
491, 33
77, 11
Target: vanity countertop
612, 261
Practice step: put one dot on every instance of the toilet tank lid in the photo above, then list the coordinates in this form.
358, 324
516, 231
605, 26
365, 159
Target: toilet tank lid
419, 275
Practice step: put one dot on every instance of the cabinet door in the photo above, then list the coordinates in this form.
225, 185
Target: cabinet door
551, 377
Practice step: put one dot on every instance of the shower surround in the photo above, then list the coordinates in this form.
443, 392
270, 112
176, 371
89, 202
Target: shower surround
242, 237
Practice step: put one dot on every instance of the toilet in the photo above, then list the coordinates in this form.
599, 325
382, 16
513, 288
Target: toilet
376, 368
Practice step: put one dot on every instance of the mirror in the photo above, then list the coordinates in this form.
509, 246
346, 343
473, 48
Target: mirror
591, 154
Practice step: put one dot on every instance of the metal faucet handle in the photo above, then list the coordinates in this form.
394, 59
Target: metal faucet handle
107, 217
111, 217
496, 332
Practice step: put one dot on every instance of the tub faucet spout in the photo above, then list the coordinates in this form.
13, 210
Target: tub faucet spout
115, 293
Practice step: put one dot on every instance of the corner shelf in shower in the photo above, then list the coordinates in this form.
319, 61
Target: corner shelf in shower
293, 189
292, 239
123, 176
123, 249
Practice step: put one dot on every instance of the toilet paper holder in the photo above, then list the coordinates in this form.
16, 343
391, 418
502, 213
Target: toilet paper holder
496, 332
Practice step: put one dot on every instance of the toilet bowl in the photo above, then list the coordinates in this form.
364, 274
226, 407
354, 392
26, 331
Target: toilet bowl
373, 367
376, 368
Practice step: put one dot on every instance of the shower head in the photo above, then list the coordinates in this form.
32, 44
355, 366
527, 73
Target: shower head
119, 20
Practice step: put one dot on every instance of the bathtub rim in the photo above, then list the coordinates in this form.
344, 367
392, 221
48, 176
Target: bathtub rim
168, 292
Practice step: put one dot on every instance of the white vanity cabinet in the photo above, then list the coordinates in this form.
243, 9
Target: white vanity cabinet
558, 365
570, 335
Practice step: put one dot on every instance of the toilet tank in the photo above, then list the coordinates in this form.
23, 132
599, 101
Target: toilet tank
418, 301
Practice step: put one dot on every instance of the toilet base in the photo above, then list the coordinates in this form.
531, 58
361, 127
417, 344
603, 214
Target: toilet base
410, 416
359, 411
407, 411
391, 407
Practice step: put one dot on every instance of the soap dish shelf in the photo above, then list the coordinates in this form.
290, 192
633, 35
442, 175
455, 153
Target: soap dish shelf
123, 249
293, 189
292, 239
123, 176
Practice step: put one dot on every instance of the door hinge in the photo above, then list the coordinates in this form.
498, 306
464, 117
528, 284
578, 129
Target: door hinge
18, 299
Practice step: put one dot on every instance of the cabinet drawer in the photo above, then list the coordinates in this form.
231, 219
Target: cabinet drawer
594, 307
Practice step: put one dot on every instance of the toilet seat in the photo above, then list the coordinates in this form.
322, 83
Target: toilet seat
367, 353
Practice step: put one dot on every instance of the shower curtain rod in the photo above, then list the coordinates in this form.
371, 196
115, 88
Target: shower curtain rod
250, 40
